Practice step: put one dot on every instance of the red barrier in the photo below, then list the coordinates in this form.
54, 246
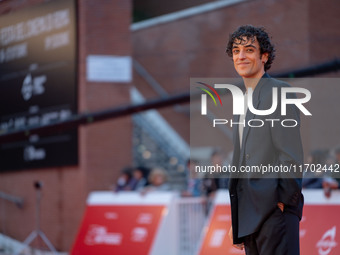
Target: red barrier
128, 223
318, 228
124, 223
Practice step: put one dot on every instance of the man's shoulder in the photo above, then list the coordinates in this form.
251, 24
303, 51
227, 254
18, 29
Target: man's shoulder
275, 83
266, 92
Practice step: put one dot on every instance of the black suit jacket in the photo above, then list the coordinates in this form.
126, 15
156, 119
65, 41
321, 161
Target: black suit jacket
254, 196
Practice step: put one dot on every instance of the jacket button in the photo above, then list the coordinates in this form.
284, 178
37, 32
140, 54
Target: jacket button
247, 156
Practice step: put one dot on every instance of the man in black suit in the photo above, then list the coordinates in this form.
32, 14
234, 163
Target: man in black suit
266, 208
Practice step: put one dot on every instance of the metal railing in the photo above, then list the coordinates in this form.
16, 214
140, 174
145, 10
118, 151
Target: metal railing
4, 198
18, 201
192, 216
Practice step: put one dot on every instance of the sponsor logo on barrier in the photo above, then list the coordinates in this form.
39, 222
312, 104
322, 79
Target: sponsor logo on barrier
302, 233
327, 242
144, 218
217, 237
139, 234
111, 216
98, 235
224, 217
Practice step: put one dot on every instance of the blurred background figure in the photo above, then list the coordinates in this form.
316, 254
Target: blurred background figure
219, 180
139, 178
211, 185
124, 181
313, 180
218, 158
158, 181
329, 184
317, 176
331, 181
194, 181
337, 163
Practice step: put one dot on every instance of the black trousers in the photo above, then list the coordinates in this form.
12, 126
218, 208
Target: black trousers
279, 235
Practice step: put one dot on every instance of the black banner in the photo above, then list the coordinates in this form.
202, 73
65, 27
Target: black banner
38, 83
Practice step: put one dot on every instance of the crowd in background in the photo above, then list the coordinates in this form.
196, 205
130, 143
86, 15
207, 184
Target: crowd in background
324, 171
143, 179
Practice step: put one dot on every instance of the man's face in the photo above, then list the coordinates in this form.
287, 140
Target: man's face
247, 59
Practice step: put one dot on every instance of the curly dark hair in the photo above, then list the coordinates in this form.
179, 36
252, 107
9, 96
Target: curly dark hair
249, 32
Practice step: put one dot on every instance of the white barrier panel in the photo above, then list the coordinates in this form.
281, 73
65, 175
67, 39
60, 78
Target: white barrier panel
318, 228
128, 223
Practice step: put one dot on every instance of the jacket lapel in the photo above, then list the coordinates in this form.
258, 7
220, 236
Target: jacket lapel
236, 142
250, 115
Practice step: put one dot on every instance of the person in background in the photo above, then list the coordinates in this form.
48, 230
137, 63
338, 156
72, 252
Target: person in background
194, 182
217, 158
212, 184
124, 180
313, 180
139, 178
336, 174
158, 181
332, 181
